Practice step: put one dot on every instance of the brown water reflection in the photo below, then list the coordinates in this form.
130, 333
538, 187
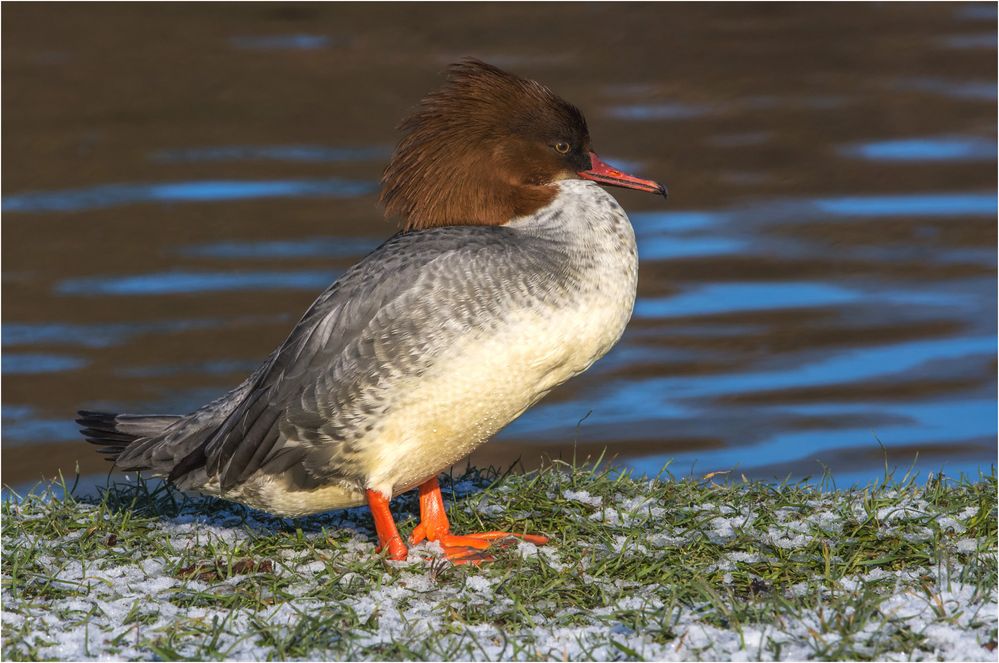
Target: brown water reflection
182, 180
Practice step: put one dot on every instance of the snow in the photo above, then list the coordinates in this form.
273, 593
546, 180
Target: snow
584, 497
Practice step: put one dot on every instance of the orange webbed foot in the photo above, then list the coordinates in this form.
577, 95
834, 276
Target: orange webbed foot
470, 548
459, 548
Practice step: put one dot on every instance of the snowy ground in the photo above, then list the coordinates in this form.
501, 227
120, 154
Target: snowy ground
671, 570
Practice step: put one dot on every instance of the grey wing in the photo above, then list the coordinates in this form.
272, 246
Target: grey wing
388, 318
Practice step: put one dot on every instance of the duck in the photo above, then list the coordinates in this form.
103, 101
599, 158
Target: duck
513, 270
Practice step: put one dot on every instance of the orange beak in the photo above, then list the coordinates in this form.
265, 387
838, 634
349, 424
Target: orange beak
604, 173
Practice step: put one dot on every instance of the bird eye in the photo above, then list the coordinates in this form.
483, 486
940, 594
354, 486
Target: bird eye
561, 147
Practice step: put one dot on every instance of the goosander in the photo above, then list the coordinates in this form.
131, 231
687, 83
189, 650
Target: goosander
513, 271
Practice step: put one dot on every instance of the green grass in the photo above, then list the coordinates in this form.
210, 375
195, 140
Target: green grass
637, 569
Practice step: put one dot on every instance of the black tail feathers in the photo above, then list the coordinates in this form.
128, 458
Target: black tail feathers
114, 432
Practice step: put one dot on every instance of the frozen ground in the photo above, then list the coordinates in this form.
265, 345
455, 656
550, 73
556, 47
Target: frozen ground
660, 570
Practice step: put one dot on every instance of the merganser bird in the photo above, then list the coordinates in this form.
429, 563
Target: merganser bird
512, 273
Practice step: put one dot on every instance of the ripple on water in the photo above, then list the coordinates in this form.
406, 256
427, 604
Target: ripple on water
928, 204
900, 447
852, 364
171, 283
973, 40
942, 148
955, 89
680, 246
312, 247
919, 423
219, 367
111, 334
114, 195
741, 139
715, 298
711, 223
683, 234
678, 221
663, 111
304, 153
22, 424
977, 11
34, 363
292, 42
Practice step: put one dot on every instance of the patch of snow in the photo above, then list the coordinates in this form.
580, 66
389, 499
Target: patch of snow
827, 521
788, 540
722, 529
610, 517
664, 540
489, 509
583, 497
957, 522
312, 568
479, 584
966, 545
907, 509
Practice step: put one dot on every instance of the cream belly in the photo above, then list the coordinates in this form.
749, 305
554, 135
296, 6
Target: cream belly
276, 496
488, 383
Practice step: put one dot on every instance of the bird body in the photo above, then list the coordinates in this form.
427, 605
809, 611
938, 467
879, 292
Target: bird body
433, 342
478, 346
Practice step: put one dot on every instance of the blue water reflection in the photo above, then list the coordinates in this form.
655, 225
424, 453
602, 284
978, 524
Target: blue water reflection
23, 425
662, 248
738, 297
112, 334
297, 42
170, 283
977, 11
930, 425
969, 90
731, 223
303, 153
314, 247
677, 221
931, 204
113, 195
32, 363
686, 233
853, 365
945, 148
218, 367
664, 111
975, 40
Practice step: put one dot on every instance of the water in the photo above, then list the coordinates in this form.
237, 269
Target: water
819, 291
114, 195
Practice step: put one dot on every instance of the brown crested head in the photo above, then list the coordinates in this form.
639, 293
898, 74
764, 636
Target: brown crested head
483, 149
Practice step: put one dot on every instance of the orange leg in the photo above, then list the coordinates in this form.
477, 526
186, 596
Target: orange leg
388, 535
466, 549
